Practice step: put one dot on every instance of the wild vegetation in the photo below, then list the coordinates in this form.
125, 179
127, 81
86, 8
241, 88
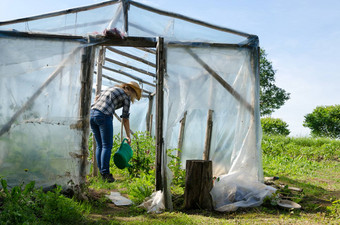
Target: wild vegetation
309, 164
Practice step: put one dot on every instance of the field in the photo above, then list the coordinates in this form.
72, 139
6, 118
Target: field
309, 166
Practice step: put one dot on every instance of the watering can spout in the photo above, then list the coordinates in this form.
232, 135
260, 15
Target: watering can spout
123, 155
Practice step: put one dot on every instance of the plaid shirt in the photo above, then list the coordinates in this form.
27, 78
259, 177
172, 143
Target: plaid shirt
111, 99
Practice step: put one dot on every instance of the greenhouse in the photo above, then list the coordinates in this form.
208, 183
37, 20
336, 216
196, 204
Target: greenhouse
200, 94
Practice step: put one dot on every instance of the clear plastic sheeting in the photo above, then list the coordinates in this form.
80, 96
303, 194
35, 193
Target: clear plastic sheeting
238, 190
39, 145
152, 24
207, 69
192, 89
75, 23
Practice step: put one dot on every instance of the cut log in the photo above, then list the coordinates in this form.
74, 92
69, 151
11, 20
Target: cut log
198, 184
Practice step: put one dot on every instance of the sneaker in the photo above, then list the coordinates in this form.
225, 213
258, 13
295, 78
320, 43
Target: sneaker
108, 177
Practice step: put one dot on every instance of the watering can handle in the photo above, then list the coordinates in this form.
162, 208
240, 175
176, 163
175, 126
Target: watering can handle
125, 139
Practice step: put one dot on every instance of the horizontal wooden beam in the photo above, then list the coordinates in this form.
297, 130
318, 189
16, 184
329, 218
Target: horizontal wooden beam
131, 67
131, 56
129, 75
128, 42
120, 82
152, 51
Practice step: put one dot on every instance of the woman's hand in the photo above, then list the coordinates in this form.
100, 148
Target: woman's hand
128, 140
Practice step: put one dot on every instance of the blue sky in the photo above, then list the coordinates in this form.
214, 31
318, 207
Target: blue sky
300, 37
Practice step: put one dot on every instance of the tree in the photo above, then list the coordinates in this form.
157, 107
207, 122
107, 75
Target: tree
324, 121
273, 126
271, 96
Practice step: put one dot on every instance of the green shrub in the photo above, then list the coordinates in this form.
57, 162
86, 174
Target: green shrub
143, 159
27, 205
324, 121
273, 126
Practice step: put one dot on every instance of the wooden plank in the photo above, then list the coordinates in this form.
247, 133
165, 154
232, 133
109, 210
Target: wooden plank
130, 67
129, 75
227, 86
159, 114
127, 41
100, 61
181, 136
132, 56
207, 145
198, 184
149, 115
147, 50
87, 66
119, 81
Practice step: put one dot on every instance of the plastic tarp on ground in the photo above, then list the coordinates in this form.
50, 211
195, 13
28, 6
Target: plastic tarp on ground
41, 139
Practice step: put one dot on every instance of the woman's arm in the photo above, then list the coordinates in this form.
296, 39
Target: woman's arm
126, 124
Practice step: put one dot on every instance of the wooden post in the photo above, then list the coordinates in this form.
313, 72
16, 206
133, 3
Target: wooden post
84, 107
198, 184
206, 153
159, 112
181, 135
149, 115
98, 90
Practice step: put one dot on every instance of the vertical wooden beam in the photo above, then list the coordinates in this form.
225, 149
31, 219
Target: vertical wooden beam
159, 112
149, 115
207, 145
98, 90
181, 135
87, 64
126, 5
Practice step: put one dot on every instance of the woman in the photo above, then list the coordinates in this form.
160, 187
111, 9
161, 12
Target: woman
102, 112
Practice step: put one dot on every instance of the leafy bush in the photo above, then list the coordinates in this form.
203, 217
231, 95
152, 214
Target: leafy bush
324, 121
273, 126
175, 167
141, 187
143, 160
32, 206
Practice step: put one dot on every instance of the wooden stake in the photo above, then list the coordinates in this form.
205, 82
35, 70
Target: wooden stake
84, 107
207, 145
159, 113
98, 90
181, 135
149, 115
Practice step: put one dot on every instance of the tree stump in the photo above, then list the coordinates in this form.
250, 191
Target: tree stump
198, 184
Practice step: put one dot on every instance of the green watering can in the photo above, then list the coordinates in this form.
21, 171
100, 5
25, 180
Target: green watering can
122, 157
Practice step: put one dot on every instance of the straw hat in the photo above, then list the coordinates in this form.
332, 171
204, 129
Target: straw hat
135, 87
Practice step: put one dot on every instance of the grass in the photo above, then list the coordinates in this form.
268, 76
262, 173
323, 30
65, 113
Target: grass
310, 164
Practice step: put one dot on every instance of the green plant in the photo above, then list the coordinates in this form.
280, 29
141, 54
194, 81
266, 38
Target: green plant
324, 121
26, 205
143, 159
334, 210
141, 187
273, 126
175, 167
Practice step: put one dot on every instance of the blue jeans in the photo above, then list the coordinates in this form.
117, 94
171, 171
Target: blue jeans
102, 128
